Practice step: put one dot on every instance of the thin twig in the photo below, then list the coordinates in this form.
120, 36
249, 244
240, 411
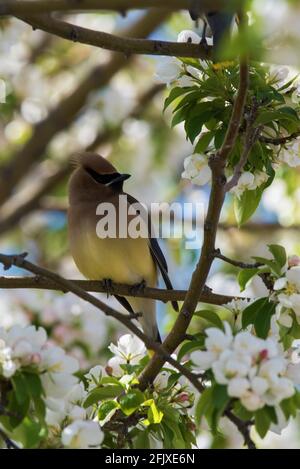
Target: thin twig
243, 428
241, 265
279, 140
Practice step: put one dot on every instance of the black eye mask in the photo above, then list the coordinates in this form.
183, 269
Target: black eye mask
108, 179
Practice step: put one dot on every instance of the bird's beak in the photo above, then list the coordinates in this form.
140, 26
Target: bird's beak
118, 178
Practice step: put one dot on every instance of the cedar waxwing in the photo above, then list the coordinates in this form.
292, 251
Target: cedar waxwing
122, 260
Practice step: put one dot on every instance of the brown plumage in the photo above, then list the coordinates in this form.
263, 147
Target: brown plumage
122, 260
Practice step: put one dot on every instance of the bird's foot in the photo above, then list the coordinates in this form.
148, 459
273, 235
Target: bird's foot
138, 287
108, 286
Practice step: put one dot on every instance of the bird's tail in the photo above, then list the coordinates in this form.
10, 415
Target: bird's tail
148, 319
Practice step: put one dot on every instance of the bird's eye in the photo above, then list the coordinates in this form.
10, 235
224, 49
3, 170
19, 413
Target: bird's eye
101, 178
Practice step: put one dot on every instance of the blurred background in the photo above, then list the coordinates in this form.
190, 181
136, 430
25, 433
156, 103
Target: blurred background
58, 97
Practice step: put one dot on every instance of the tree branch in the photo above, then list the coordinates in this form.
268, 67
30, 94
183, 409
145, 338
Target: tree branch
241, 265
251, 137
40, 283
279, 140
243, 428
126, 45
217, 196
20, 7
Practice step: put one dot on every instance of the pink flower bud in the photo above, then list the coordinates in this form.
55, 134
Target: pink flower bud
182, 397
293, 261
35, 358
109, 370
263, 354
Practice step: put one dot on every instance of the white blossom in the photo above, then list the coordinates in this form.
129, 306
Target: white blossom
248, 182
255, 370
189, 36
130, 348
288, 296
290, 154
82, 434
196, 169
168, 70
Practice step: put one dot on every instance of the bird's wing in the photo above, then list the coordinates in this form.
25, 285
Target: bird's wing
157, 255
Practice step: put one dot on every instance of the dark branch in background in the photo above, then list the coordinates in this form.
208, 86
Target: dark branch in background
41, 283
12, 212
20, 7
62, 116
125, 45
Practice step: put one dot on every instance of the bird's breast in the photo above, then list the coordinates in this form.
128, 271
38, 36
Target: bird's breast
123, 260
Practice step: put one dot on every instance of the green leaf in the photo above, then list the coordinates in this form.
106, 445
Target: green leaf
30, 433
20, 387
271, 263
154, 414
289, 407
193, 96
245, 206
189, 347
180, 116
211, 317
174, 94
272, 414
244, 277
142, 440
249, 314
278, 253
262, 322
131, 401
99, 394
283, 113
34, 385
262, 422
220, 396
203, 404
193, 127
106, 409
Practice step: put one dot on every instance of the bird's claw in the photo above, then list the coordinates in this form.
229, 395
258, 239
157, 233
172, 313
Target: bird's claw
108, 286
138, 287
135, 315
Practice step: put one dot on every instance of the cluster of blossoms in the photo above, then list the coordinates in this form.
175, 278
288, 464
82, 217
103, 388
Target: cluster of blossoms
256, 371
197, 170
130, 350
25, 349
179, 74
72, 324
